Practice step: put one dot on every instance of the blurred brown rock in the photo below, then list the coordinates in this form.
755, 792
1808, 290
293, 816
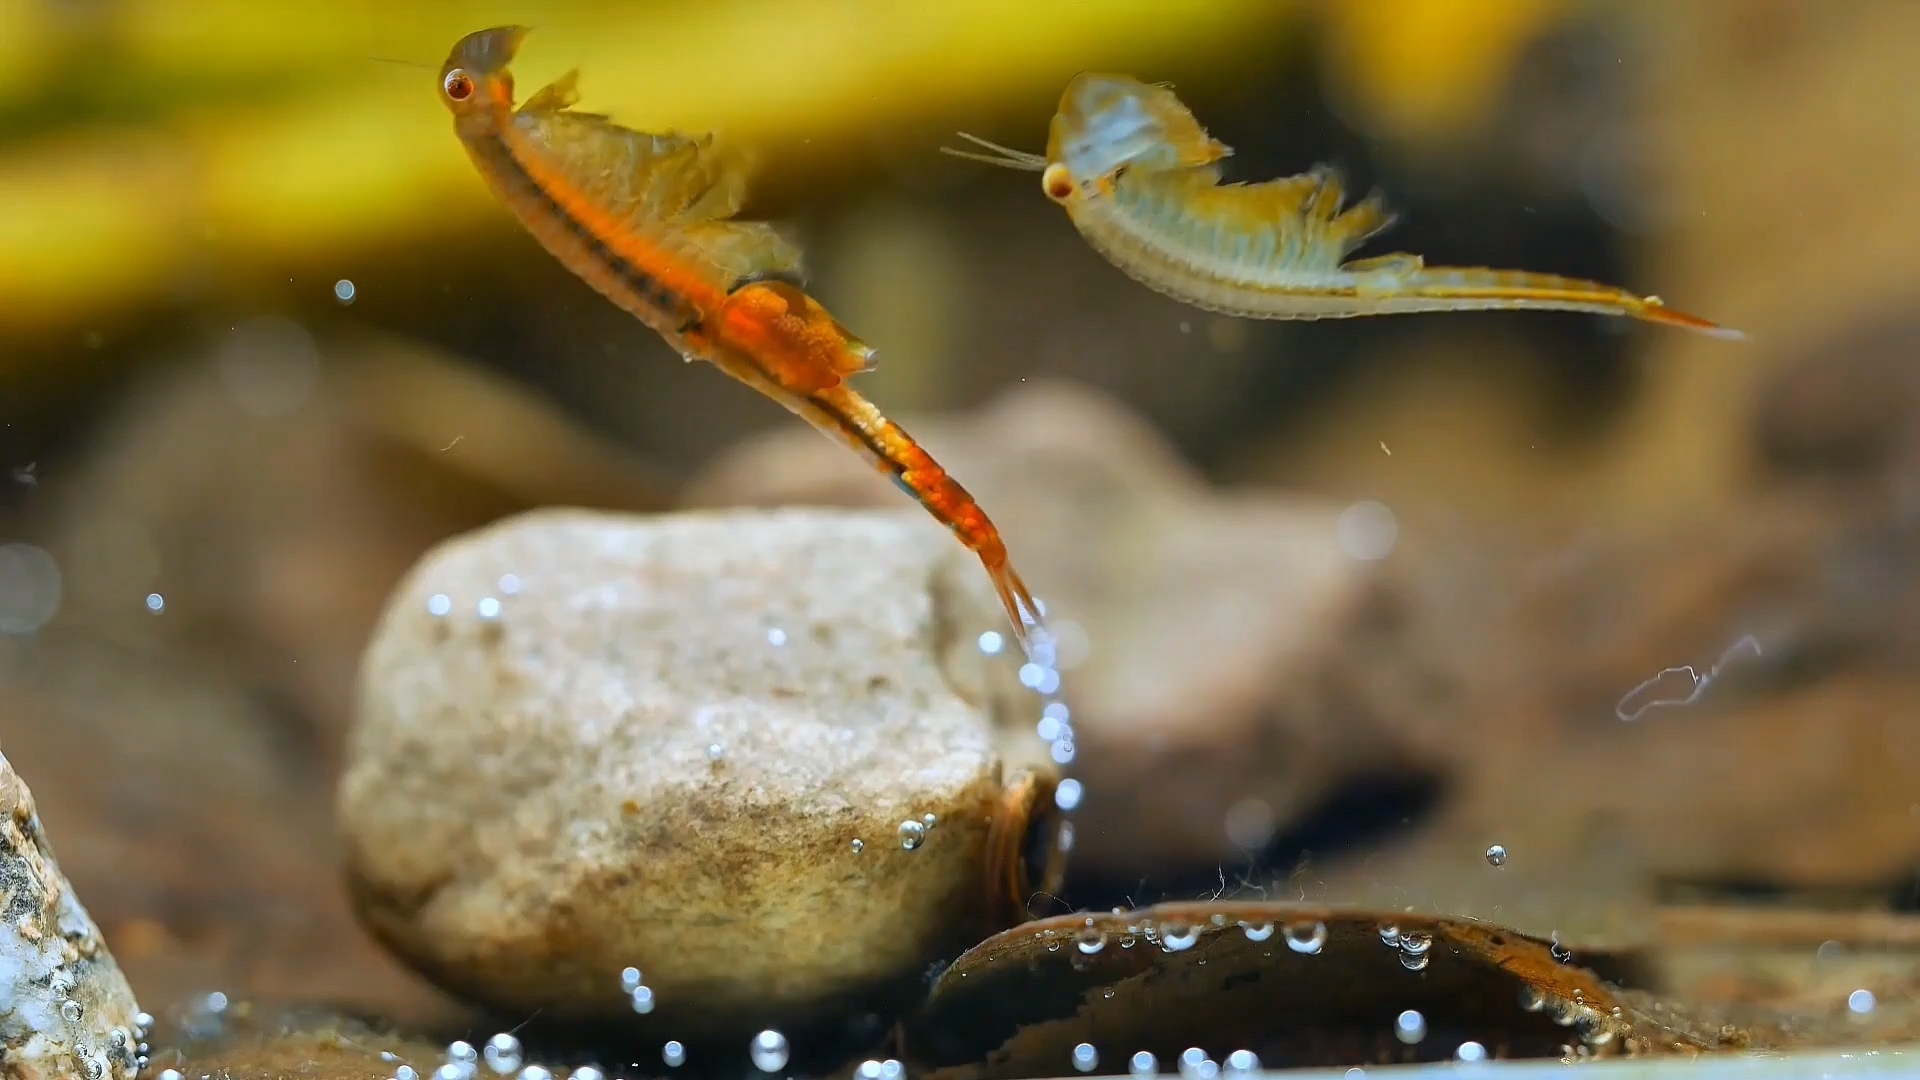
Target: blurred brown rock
692, 744
1227, 662
272, 495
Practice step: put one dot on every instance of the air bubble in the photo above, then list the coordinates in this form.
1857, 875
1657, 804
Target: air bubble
156, 603
716, 751
769, 1051
439, 604
1305, 937
991, 643
1050, 729
406, 1072
674, 1054
1257, 931
776, 637
536, 1072
1861, 1002
503, 1054
930, 821
509, 584
630, 979
461, 1052
1471, 1051
1067, 795
1085, 1057
488, 608
1497, 855
1091, 939
1410, 1027
343, 291
1062, 752
1178, 936
1390, 936
1196, 1065
588, 1072
642, 999
170, 1074
1415, 961
71, 1011
1242, 1062
1143, 1063
912, 834
859, 845
1416, 942
453, 1070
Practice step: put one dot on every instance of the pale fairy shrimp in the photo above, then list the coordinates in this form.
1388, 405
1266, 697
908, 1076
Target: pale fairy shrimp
647, 220
1140, 179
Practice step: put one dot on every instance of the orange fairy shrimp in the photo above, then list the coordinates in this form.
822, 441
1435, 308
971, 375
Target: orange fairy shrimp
647, 221
1140, 179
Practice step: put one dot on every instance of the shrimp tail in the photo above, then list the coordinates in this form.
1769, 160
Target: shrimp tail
1453, 288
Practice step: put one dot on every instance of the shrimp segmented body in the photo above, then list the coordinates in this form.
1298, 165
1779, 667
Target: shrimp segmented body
647, 220
1140, 179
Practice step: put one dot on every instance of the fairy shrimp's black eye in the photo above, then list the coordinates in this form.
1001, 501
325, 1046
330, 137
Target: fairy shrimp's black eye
1057, 182
458, 85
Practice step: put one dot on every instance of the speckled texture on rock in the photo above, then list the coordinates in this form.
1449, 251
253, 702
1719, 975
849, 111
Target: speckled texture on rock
532, 801
66, 1012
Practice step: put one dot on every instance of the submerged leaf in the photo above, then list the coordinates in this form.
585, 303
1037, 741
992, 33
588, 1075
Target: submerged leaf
1296, 985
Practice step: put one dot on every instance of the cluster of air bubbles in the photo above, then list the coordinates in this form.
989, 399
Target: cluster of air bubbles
1196, 1065
463, 1061
142, 1027
1497, 855
872, 1069
1413, 945
639, 994
1410, 1027
1085, 1058
503, 1054
673, 1053
1305, 937
440, 605
769, 1051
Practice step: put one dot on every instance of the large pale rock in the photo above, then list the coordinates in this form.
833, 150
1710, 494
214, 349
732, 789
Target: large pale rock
66, 1012
685, 744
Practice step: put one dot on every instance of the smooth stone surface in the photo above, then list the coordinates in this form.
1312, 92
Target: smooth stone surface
627, 766
65, 1009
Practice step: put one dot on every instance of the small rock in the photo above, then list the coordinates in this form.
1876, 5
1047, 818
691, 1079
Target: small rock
65, 1010
531, 804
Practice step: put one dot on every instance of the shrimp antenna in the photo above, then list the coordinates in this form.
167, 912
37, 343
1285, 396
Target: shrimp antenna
1002, 156
402, 63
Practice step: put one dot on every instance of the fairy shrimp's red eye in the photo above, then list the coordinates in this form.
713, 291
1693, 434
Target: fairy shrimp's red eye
1057, 183
458, 85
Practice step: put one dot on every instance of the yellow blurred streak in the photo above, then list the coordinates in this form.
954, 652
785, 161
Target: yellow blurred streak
1428, 69
368, 156
23, 39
